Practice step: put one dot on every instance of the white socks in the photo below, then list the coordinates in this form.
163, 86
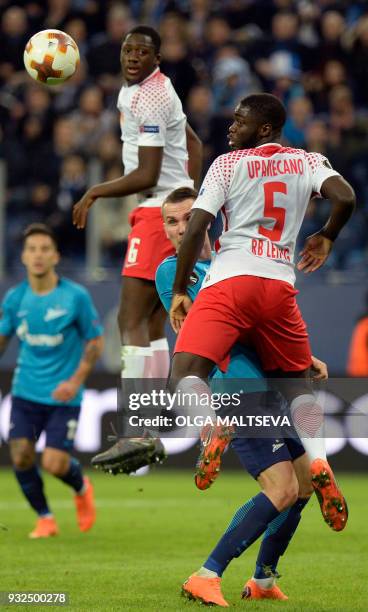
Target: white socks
135, 361
307, 416
146, 361
206, 573
160, 361
265, 583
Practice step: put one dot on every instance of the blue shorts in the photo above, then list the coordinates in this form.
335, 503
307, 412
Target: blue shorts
258, 454
29, 419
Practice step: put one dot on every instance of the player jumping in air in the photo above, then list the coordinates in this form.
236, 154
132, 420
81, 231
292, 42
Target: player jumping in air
60, 341
280, 466
160, 152
262, 189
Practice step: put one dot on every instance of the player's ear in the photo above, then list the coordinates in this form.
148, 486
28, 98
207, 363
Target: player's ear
265, 130
158, 59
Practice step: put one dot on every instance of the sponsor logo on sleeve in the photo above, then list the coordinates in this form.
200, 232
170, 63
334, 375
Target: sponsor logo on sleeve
149, 129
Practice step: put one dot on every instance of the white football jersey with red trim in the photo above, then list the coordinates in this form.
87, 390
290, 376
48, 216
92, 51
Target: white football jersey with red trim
151, 115
263, 194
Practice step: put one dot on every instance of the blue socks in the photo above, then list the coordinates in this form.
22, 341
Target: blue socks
248, 523
277, 538
74, 476
31, 484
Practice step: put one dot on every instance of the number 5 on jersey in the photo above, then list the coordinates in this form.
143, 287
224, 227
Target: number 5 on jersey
277, 213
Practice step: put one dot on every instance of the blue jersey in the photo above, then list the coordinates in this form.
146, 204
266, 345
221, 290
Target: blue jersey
52, 330
244, 362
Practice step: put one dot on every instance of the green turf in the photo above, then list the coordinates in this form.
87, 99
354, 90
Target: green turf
153, 531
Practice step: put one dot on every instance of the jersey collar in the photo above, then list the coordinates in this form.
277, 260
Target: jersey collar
269, 144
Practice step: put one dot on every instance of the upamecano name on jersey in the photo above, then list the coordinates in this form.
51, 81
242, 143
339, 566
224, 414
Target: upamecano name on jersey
274, 167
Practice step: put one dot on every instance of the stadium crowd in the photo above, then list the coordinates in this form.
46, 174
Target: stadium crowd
313, 55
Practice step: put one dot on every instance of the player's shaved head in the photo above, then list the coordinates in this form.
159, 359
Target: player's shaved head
266, 108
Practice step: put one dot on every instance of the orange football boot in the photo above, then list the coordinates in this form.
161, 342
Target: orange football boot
45, 528
214, 441
204, 590
252, 590
85, 506
331, 500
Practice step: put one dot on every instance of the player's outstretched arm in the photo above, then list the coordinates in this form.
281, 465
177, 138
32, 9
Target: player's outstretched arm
143, 177
195, 153
67, 389
318, 246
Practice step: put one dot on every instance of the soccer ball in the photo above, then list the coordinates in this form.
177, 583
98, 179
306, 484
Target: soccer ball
51, 57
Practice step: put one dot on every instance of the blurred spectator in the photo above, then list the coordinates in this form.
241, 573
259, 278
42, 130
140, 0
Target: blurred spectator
78, 31
113, 221
299, 115
217, 35
232, 80
284, 43
199, 14
173, 27
109, 151
177, 66
58, 12
200, 116
14, 36
91, 121
285, 80
358, 351
68, 94
358, 60
104, 55
331, 46
72, 185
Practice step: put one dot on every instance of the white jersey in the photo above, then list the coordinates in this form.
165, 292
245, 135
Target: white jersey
263, 194
151, 115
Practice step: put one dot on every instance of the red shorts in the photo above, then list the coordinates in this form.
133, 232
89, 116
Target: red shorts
147, 243
248, 309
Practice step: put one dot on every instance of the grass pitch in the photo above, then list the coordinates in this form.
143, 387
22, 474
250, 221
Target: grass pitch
153, 531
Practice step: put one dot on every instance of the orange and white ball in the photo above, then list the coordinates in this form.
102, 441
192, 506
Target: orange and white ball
51, 57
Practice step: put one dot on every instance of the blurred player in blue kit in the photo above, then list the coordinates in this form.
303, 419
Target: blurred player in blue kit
281, 466
60, 339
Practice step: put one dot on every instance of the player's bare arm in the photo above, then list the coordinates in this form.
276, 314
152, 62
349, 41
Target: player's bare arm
67, 389
143, 177
195, 153
4, 341
318, 246
188, 254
